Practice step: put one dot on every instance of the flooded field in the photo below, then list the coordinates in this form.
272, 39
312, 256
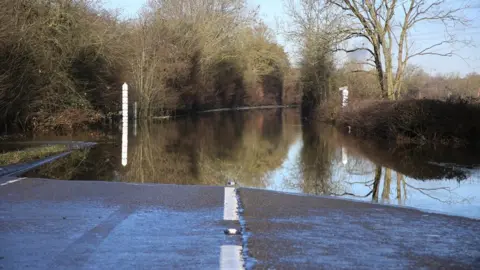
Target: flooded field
271, 149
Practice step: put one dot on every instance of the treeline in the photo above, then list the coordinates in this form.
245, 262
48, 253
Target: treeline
416, 83
343, 43
320, 76
62, 62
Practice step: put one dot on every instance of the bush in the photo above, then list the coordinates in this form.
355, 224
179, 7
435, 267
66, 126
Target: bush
53, 59
451, 122
63, 56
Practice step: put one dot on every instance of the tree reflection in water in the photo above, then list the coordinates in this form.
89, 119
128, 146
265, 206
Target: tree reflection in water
208, 150
272, 149
436, 167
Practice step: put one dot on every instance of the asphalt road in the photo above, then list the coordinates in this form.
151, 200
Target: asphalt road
48, 224
51, 224
307, 232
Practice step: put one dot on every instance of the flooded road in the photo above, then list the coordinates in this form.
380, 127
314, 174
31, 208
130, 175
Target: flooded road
271, 149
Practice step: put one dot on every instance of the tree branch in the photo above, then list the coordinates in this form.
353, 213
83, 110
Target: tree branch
355, 50
426, 51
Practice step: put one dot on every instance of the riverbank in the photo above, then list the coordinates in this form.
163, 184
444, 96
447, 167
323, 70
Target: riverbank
451, 122
25, 159
30, 154
107, 123
243, 108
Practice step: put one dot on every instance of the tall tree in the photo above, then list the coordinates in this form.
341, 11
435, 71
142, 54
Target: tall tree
386, 26
310, 24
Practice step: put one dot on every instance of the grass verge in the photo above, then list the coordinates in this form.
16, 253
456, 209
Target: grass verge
30, 154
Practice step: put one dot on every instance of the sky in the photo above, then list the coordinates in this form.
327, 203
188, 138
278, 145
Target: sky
271, 11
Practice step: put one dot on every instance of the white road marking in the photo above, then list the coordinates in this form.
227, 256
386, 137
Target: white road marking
231, 257
230, 204
12, 181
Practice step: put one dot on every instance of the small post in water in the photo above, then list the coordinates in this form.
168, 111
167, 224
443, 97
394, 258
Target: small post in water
344, 91
124, 123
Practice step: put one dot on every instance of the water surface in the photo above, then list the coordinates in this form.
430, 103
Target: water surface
272, 149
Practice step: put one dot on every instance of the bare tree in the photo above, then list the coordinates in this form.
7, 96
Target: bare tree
310, 27
386, 26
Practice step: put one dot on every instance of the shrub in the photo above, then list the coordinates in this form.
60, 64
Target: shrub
423, 121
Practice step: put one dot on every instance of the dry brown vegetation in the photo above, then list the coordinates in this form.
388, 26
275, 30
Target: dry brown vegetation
451, 122
417, 83
30, 154
309, 28
56, 68
62, 62
379, 69
385, 30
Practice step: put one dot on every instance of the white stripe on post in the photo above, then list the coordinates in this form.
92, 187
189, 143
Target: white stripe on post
124, 124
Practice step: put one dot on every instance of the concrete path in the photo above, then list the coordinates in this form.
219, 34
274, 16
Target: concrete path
50, 224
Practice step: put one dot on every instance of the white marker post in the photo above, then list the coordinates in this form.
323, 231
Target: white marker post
344, 91
124, 123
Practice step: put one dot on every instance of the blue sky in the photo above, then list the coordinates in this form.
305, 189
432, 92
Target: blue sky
270, 10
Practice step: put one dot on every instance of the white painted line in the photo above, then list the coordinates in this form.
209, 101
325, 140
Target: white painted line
12, 181
230, 204
231, 257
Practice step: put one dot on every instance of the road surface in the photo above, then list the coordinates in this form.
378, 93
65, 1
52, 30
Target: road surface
51, 224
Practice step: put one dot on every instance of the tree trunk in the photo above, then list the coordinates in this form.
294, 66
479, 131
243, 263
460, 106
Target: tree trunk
376, 182
399, 188
386, 185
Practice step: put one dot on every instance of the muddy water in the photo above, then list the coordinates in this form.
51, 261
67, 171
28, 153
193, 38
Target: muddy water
272, 149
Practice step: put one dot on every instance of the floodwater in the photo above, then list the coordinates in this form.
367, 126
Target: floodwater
271, 149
